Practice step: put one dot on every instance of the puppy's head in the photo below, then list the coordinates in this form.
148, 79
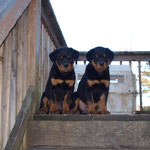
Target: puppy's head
64, 58
100, 58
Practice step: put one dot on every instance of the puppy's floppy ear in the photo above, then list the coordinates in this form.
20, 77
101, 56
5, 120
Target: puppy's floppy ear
89, 55
110, 54
53, 55
75, 54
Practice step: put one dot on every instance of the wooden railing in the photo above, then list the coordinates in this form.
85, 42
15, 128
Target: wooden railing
16, 136
130, 57
26, 39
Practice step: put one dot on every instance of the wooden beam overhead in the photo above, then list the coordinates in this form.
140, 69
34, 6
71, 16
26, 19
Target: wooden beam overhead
50, 20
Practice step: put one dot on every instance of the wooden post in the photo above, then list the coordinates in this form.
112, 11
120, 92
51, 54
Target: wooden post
24, 52
140, 86
42, 59
33, 48
13, 92
34, 30
1, 75
19, 66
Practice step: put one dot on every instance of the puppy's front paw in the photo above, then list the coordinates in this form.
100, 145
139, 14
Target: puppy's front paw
66, 109
103, 112
43, 110
91, 108
75, 111
53, 109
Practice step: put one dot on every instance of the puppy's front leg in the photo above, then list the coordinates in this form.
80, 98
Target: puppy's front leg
90, 103
102, 109
66, 109
53, 104
44, 105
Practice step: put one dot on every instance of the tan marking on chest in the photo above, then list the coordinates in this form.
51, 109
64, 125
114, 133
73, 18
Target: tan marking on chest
69, 82
92, 82
106, 82
56, 81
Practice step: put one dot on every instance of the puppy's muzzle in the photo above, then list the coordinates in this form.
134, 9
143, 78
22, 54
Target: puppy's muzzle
65, 65
101, 63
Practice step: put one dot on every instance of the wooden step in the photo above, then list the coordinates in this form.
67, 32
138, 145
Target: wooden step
89, 132
77, 148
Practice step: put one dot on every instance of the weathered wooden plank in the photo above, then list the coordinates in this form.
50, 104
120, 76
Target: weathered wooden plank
6, 7
24, 52
34, 30
16, 136
49, 51
72, 117
38, 31
74, 148
13, 92
19, 66
42, 62
102, 134
32, 41
1, 78
52, 47
46, 57
18, 61
11, 18
6, 89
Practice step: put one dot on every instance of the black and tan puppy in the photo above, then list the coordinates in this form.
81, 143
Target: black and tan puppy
60, 85
92, 92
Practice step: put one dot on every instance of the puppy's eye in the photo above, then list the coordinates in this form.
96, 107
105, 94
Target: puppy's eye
68, 56
96, 56
60, 57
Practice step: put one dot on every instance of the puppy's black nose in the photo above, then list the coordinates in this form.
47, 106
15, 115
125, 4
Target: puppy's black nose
65, 65
101, 63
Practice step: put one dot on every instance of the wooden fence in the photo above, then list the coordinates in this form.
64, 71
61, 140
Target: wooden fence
24, 60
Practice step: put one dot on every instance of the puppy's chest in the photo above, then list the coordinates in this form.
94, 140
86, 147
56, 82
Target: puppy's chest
67, 83
98, 83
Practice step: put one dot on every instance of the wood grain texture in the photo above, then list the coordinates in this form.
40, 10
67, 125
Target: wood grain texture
6, 89
14, 71
16, 136
31, 37
19, 65
24, 52
1, 100
11, 18
101, 134
73, 117
45, 64
25, 61
74, 148
6, 6
13, 93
